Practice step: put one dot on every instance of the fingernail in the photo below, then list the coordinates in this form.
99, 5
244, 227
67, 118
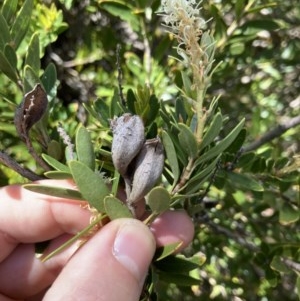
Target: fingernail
134, 248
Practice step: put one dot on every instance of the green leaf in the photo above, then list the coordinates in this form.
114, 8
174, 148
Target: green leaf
171, 156
58, 175
244, 181
254, 26
213, 130
238, 142
84, 147
178, 279
21, 23
49, 79
208, 43
167, 250
187, 140
54, 149
288, 214
9, 9
222, 145
102, 111
239, 8
182, 111
115, 105
130, 101
60, 192
5, 37
7, 68
179, 263
187, 84
33, 54
153, 108
158, 199
115, 208
30, 79
122, 11
236, 48
55, 164
11, 56
195, 183
278, 265
91, 185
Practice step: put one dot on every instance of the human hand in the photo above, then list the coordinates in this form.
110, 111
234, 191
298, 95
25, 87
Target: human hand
111, 265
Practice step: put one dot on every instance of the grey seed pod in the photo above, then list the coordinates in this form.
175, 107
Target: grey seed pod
148, 169
128, 139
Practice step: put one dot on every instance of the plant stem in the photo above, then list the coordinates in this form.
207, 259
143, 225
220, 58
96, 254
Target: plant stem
74, 238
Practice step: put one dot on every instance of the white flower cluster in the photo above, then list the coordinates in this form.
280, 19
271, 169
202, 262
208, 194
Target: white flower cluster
179, 13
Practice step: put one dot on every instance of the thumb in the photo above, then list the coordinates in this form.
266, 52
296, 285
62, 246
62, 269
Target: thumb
112, 265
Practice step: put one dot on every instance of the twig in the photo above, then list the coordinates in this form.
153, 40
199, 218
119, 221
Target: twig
222, 230
291, 264
11, 163
211, 181
34, 154
120, 76
272, 134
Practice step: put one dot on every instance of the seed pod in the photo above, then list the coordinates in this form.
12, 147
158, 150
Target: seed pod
30, 111
148, 169
128, 139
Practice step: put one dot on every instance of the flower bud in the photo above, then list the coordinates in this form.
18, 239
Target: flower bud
128, 139
148, 168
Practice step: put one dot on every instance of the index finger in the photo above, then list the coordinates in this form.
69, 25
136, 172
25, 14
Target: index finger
27, 217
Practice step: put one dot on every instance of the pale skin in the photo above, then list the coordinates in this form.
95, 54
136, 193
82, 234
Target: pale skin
111, 265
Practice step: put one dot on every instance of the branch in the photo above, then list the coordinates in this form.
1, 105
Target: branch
272, 134
234, 236
291, 264
11, 163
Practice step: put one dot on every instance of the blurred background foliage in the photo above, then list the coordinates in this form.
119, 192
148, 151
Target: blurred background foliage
248, 234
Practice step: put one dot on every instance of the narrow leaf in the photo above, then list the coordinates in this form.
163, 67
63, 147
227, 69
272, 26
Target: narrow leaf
5, 37
171, 156
239, 8
33, 54
175, 264
49, 79
213, 130
91, 185
60, 192
187, 84
123, 11
244, 181
179, 279
58, 175
115, 208
187, 140
9, 9
167, 250
30, 78
21, 23
222, 145
55, 164
11, 55
195, 183
84, 147
7, 68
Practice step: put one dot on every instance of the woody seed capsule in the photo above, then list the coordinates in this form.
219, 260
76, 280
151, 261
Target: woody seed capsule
128, 138
148, 169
